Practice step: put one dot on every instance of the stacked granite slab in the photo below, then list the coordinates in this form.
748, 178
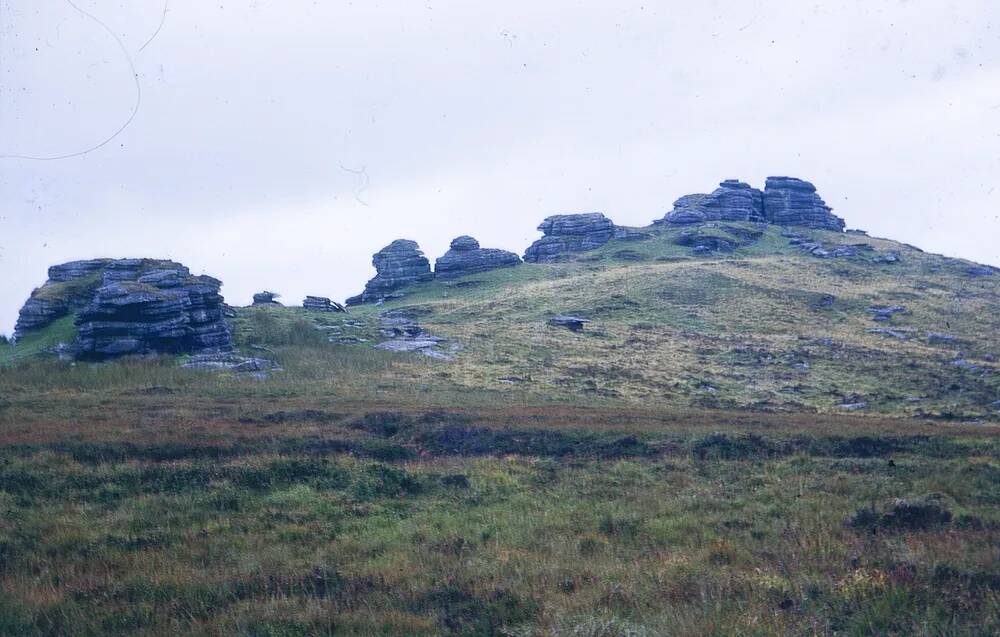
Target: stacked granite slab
733, 200
466, 257
134, 306
564, 234
786, 201
793, 202
398, 265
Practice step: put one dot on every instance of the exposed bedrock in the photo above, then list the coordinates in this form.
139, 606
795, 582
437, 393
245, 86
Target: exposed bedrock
784, 201
466, 257
399, 264
564, 234
131, 306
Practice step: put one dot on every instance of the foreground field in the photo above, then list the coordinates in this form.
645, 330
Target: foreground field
277, 519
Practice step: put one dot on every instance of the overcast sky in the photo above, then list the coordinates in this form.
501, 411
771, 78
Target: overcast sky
278, 143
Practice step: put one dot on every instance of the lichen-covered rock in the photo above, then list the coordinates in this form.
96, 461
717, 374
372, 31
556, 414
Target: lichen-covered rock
322, 304
733, 200
570, 233
466, 257
267, 299
793, 202
398, 265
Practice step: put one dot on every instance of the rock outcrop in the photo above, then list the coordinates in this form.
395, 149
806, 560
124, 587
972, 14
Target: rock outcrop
793, 202
266, 299
570, 233
131, 306
322, 304
784, 201
466, 257
733, 200
399, 264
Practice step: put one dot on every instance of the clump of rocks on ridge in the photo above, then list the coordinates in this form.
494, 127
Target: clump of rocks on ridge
399, 264
784, 201
131, 306
466, 257
570, 233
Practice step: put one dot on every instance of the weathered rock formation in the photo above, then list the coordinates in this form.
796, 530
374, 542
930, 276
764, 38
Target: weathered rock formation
266, 299
733, 200
322, 304
570, 233
466, 257
784, 201
793, 202
131, 306
399, 264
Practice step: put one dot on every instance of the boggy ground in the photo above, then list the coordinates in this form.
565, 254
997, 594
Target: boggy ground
130, 508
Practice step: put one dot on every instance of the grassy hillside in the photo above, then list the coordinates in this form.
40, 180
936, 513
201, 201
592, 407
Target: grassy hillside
765, 328
683, 466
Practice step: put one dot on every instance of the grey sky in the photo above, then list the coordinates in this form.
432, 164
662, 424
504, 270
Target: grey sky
475, 118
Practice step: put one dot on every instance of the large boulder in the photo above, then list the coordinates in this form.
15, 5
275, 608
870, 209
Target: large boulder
466, 257
570, 233
793, 202
131, 306
733, 200
398, 265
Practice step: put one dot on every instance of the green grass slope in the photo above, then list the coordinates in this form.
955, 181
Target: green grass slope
764, 328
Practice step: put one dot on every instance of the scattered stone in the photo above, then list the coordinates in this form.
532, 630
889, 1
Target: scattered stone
231, 362
569, 233
398, 265
888, 257
855, 406
266, 299
940, 338
466, 257
884, 313
572, 323
408, 345
322, 304
855, 231
897, 334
